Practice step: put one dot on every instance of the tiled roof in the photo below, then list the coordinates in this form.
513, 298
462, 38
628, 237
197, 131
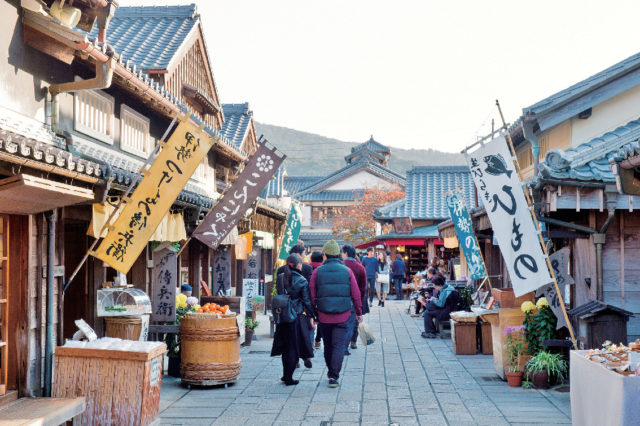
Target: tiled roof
237, 120
293, 185
372, 145
626, 74
425, 190
275, 187
339, 195
150, 35
430, 231
318, 239
590, 161
371, 148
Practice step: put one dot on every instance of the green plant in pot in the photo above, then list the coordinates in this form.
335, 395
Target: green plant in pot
514, 349
540, 322
544, 367
249, 329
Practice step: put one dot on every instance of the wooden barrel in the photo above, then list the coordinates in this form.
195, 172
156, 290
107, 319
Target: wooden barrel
210, 349
127, 328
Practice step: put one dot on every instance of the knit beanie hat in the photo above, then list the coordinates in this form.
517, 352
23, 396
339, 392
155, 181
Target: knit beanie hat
331, 248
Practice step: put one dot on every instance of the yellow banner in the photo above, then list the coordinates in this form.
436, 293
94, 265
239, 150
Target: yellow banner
156, 192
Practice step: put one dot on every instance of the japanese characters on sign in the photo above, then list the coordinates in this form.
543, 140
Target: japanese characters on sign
252, 268
221, 271
466, 238
251, 292
155, 194
164, 281
238, 199
292, 231
560, 264
501, 191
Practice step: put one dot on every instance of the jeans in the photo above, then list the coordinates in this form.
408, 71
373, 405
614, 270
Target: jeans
351, 322
397, 284
333, 336
371, 285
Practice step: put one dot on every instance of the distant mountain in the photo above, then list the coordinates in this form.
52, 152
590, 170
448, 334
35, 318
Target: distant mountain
309, 154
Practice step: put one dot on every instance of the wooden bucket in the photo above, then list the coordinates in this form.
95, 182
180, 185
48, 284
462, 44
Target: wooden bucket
126, 328
210, 349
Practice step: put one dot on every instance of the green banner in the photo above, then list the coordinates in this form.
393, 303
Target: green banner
292, 232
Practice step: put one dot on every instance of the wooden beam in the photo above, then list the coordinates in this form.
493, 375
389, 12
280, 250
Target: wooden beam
622, 298
601, 199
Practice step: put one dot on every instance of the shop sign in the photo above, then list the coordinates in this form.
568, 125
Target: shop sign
251, 292
402, 225
466, 238
252, 269
240, 196
560, 264
292, 231
156, 192
164, 281
221, 270
498, 184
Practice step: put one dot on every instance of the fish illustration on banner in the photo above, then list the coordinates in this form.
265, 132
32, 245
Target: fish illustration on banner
235, 202
156, 192
560, 264
464, 230
492, 169
292, 231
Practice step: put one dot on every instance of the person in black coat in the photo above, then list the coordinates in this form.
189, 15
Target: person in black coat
292, 340
306, 270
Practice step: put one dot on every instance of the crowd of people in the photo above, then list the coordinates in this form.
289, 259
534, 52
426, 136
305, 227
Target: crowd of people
331, 292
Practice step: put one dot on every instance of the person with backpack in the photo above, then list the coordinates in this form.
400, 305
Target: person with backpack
437, 307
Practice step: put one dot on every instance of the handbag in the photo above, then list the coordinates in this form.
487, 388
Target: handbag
383, 278
366, 335
282, 307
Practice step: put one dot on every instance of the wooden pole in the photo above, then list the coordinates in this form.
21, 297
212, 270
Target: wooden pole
535, 221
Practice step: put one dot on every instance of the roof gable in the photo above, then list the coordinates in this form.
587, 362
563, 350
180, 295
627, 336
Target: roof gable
373, 168
238, 121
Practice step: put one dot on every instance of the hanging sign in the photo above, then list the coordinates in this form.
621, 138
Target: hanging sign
164, 281
560, 264
251, 292
221, 270
252, 269
292, 231
498, 184
236, 200
156, 192
467, 239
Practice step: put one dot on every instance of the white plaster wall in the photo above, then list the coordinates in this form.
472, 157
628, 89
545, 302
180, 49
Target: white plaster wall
359, 180
306, 216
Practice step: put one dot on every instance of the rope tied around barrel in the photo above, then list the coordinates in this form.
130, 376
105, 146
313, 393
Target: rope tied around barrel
209, 334
210, 370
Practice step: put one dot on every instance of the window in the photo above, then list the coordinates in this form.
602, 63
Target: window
93, 114
134, 132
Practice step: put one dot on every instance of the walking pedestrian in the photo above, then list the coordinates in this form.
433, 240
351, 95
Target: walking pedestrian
307, 270
437, 307
348, 257
333, 290
316, 261
398, 271
292, 340
370, 264
382, 279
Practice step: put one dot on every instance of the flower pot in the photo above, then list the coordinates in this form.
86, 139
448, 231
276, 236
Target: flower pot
248, 336
174, 366
540, 379
514, 378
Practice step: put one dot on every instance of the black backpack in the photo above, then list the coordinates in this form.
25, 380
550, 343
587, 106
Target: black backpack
455, 302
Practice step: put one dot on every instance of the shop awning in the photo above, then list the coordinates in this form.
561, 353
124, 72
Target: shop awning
366, 245
418, 237
405, 241
24, 194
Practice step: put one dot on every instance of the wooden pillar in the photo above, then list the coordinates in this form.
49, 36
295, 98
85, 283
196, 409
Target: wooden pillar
195, 269
205, 262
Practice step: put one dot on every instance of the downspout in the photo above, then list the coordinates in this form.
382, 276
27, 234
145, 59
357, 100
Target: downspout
527, 131
600, 238
48, 361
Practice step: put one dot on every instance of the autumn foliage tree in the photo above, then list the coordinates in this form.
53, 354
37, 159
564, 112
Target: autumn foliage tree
356, 224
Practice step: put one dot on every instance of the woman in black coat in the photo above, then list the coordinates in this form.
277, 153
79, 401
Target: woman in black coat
292, 340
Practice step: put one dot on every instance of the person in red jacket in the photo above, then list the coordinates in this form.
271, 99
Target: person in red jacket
348, 254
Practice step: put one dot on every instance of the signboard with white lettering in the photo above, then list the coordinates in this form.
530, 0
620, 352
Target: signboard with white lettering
498, 184
292, 231
466, 238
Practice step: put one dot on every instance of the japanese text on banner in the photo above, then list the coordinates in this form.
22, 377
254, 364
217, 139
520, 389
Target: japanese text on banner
466, 238
498, 184
236, 200
156, 192
292, 231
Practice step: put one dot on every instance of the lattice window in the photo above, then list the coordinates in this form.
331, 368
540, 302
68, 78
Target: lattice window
134, 132
93, 114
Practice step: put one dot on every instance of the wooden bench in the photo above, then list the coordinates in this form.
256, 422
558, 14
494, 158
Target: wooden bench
41, 411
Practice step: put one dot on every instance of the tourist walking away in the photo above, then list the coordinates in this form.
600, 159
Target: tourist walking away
398, 271
316, 260
307, 270
382, 279
292, 340
348, 254
370, 264
437, 307
333, 290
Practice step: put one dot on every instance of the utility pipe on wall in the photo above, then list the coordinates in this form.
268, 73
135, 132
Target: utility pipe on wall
48, 361
527, 131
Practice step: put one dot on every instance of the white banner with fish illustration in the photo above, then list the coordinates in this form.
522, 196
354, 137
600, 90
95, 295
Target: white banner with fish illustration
498, 185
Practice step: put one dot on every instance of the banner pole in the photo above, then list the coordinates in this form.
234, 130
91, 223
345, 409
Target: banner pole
107, 223
535, 220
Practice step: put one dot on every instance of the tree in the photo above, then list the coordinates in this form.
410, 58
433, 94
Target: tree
356, 224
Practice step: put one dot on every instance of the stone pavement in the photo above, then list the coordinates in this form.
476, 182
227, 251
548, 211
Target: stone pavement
401, 379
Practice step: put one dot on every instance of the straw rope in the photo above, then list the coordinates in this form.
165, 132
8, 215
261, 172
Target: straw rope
210, 370
209, 334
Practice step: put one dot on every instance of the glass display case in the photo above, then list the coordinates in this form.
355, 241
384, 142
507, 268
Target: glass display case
122, 302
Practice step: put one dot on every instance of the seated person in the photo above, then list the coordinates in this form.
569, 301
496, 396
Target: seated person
186, 289
437, 307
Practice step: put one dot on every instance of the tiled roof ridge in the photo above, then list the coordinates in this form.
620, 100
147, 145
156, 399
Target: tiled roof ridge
156, 12
452, 169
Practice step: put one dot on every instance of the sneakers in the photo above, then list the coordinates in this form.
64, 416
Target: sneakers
415, 315
346, 352
333, 383
382, 303
316, 345
307, 363
291, 382
428, 335
354, 345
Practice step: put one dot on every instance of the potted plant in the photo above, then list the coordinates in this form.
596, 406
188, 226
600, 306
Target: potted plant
544, 367
514, 349
540, 323
250, 325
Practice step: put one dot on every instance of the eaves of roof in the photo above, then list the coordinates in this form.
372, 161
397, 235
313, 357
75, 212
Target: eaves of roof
430, 231
338, 195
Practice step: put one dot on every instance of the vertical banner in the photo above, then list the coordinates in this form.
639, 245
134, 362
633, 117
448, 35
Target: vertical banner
499, 186
238, 199
164, 281
252, 269
466, 238
560, 264
221, 270
156, 192
292, 231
